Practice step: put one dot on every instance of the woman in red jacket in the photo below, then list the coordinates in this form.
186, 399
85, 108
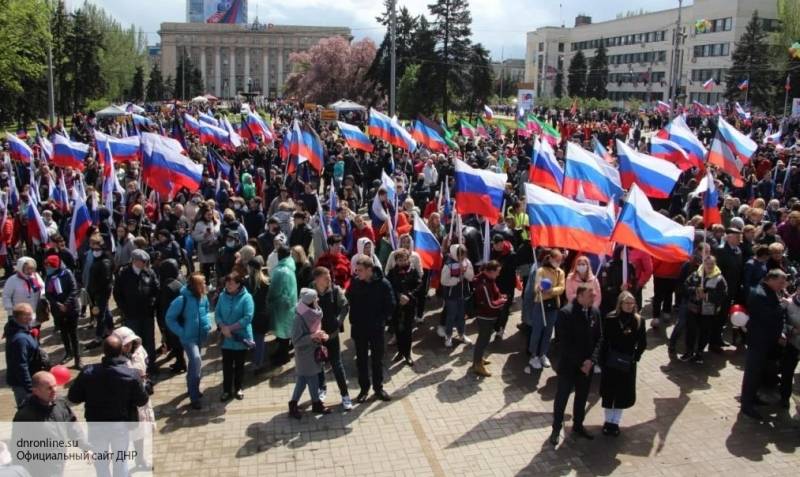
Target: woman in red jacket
489, 303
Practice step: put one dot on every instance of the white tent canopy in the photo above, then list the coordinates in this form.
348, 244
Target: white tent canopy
346, 105
111, 111
199, 99
134, 108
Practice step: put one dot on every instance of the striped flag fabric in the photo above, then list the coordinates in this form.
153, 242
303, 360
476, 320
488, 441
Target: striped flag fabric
355, 137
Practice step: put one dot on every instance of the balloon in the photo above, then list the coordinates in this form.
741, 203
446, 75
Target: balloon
739, 319
61, 373
546, 284
737, 308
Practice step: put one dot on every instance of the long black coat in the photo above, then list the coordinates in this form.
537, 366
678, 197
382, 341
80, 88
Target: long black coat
626, 335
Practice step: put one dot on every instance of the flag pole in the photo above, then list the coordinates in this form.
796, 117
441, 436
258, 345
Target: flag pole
785, 96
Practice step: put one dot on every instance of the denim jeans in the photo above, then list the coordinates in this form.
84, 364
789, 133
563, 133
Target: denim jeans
194, 370
20, 393
335, 356
455, 316
541, 330
260, 351
300, 385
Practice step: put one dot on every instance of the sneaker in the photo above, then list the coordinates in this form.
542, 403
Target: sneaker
498, 335
597, 369
322, 394
465, 339
419, 319
347, 404
535, 363
545, 361
697, 358
440, 331
448, 342
686, 357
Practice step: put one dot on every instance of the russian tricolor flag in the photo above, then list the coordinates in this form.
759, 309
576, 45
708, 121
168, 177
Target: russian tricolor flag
708, 188
59, 195
478, 191
556, 221
165, 168
67, 153
122, 149
191, 124
426, 245
140, 121
585, 170
46, 147
79, 226
429, 134
213, 135
355, 137
709, 84
668, 150
641, 227
208, 119
255, 126
545, 170
741, 145
601, 151
656, 177
234, 139
679, 133
18, 149
36, 227
388, 129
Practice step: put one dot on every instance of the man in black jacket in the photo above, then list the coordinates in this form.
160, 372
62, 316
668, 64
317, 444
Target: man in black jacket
371, 303
136, 292
503, 252
730, 261
266, 241
99, 286
21, 351
764, 332
301, 232
111, 392
580, 333
61, 292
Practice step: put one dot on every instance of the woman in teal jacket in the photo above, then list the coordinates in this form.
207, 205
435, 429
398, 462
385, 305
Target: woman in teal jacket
234, 315
187, 317
282, 300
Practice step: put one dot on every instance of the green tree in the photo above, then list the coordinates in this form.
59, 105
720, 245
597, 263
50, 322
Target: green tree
481, 77
181, 90
424, 47
155, 85
452, 21
749, 62
84, 45
169, 88
380, 70
137, 87
24, 36
558, 86
61, 28
576, 82
598, 74
408, 103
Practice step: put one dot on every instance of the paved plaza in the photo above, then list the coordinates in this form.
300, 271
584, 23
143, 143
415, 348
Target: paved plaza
444, 421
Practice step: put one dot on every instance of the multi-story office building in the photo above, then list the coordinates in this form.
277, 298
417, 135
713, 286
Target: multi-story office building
237, 58
640, 49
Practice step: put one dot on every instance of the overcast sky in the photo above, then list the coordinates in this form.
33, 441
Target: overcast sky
499, 24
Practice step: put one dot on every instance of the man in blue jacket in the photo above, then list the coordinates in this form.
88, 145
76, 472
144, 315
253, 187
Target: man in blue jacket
21, 352
371, 303
764, 331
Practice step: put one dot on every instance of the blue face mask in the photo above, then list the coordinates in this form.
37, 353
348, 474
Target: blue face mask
50, 270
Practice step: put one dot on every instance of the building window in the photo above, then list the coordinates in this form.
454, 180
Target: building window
713, 49
541, 46
560, 47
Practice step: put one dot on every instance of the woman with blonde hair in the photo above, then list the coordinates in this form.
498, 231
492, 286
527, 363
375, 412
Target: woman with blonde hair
302, 267
547, 287
624, 341
582, 274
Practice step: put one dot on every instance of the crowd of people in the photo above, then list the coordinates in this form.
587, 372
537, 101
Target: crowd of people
302, 256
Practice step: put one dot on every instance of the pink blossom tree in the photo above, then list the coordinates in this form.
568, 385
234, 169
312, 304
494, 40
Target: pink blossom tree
331, 70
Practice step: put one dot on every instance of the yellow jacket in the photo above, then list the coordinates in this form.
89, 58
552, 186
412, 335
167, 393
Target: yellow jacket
556, 277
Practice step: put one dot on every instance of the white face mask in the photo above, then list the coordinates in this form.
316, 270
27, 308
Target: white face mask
582, 268
136, 270
97, 253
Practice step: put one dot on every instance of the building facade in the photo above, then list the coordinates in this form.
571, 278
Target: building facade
509, 72
239, 58
641, 49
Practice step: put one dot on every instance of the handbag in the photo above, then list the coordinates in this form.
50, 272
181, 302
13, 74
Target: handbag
42, 310
618, 361
40, 361
321, 354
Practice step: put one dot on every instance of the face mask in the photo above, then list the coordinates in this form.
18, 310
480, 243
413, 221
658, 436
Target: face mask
230, 243
136, 270
237, 206
97, 253
582, 268
50, 270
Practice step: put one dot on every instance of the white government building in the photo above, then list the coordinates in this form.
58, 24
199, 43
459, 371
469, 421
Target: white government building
640, 49
235, 58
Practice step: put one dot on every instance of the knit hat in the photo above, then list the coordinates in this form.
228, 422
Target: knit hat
308, 295
126, 335
737, 222
53, 261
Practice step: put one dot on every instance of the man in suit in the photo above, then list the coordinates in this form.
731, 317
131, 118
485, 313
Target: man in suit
578, 327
